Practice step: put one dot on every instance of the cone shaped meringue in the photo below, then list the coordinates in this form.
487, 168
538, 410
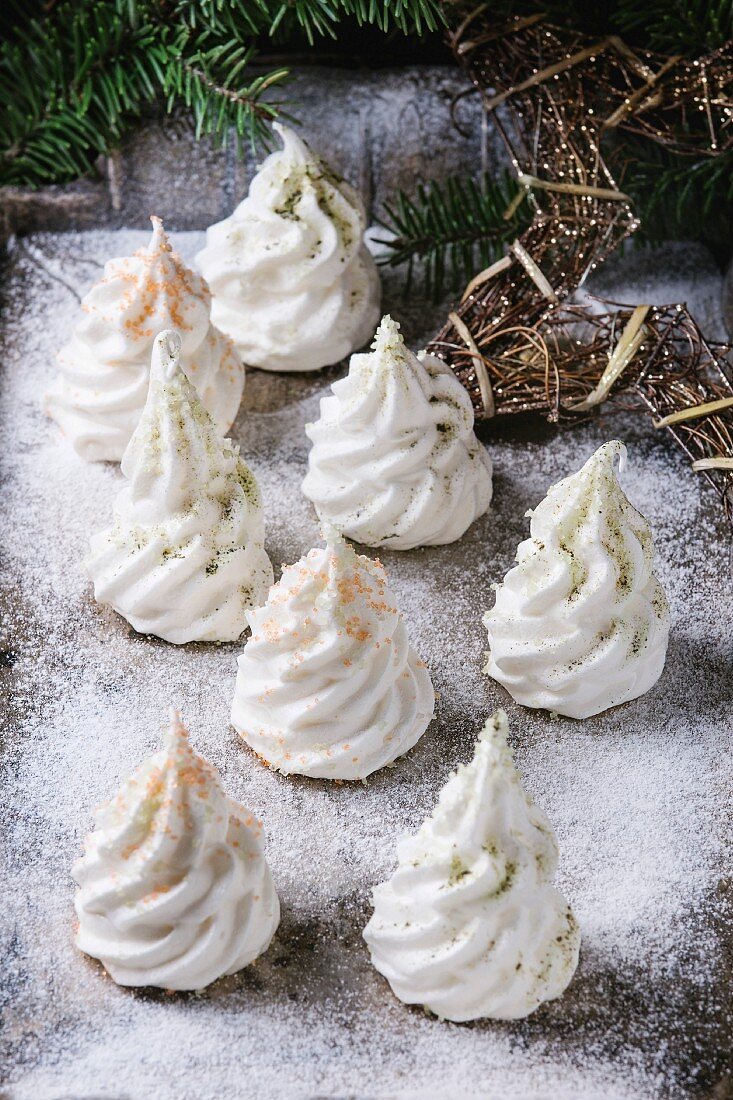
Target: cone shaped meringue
174, 888
581, 623
103, 384
395, 461
469, 925
328, 684
185, 558
293, 283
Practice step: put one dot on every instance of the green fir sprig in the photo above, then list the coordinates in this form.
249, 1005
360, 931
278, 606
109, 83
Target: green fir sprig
320, 18
687, 27
75, 77
680, 198
67, 89
448, 231
210, 78
314, 18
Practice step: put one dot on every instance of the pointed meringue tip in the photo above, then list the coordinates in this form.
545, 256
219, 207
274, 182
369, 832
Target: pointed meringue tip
176, 728
388, 335
496, 728
292, 143
166, 354
331, 536
611, 451
160, 237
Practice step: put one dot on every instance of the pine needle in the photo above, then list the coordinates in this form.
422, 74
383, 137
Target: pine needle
75, 76
449, 230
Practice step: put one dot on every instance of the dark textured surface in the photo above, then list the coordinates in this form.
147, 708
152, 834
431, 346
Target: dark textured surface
639, 797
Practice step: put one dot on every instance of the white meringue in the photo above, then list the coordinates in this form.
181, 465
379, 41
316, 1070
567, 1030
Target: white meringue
395, 461
174, 888
101, 390
469, 924
185, 557
328, 685
293, 283
581, 623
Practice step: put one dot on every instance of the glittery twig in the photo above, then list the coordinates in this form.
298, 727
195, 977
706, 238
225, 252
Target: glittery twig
513, 340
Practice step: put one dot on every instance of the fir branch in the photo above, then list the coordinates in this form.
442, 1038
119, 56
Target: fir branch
681, 199
688, 27
206, 75
315, 18
320, 17
452, 229
68, 87
240, 18
74, 78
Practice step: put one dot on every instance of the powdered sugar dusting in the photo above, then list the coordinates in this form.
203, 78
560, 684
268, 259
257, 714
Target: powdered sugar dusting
639, 797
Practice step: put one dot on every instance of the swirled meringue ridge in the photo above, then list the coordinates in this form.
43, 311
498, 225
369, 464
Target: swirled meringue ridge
395, 461
185, 557
581, 623
174, 888
293, 284
328, 685
469, 925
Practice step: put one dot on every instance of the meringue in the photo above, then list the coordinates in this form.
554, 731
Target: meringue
101, 390
174, 888
185, 557
395, 461
469, 924
581, 623
328, 684
293, 283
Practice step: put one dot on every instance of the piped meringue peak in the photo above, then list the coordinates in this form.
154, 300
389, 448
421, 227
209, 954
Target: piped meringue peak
185, 557
293, 283
174, 888
328, 684
469, 925
103, 383
581, 623
395, 461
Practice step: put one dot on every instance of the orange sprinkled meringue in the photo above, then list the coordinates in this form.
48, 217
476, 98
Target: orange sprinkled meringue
328, 685
101, 389
185, 557
395, 461
470, 925
174, 888
292, 281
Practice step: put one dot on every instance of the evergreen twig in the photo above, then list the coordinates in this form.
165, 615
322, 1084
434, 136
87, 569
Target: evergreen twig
76, 74
320, 17
449, 230
677, 198
67, 88
677, 26
315, 18
206, 75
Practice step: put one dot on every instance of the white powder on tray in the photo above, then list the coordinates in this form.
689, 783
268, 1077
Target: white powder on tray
639, 797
